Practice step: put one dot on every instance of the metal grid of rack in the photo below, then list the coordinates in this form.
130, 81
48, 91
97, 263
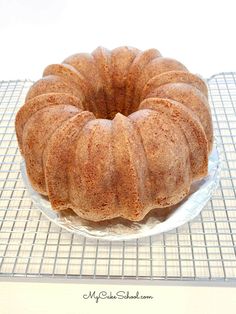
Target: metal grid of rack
204, 249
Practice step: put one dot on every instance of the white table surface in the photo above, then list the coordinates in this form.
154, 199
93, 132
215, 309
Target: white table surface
67, 298
34, 34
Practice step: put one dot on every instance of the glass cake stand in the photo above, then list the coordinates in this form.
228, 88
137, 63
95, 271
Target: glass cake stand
156, 222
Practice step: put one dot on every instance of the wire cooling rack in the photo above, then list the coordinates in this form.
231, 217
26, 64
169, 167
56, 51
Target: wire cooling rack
204, 249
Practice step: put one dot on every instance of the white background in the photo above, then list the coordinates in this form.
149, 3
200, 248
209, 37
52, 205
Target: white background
33, 34
52, 298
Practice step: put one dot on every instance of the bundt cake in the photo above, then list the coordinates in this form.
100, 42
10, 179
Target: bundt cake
115, 133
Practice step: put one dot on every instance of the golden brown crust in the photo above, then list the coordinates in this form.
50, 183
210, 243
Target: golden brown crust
191, 127
115, 162
58, 159
102, 57
73, 79
168, 164
193, 99
52, 84
132, 182
37, 132
86, 65
37, 103
92, 187
121, 60
156, 67
135, 70
174, 77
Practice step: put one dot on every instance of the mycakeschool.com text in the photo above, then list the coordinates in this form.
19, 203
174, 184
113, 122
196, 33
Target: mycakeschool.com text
118, 295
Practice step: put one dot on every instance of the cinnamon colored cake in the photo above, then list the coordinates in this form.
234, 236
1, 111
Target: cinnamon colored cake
115, 133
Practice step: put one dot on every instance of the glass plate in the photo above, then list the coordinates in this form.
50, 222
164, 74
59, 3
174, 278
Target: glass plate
156, 222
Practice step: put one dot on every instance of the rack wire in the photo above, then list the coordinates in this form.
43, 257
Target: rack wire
204, 249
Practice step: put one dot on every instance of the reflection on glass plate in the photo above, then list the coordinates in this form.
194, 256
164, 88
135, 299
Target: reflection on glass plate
156, 222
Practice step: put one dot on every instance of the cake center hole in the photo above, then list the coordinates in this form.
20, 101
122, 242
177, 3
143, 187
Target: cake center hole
118, 102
